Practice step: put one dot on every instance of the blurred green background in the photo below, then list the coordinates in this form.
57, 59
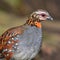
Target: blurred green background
15, 12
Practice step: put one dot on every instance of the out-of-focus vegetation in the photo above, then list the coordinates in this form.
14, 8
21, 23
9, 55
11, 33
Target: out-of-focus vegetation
24, 7
15, 12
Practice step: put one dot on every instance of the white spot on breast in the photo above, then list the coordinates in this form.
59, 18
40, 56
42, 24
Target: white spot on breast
7, 55
15, 47
16, 44
12, 38
9, 42
9, 50
5, 50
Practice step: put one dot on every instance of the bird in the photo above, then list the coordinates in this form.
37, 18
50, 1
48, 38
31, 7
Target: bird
24, 42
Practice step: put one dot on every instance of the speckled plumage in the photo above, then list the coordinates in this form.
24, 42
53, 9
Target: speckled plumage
29, 46
28, 43
23, 42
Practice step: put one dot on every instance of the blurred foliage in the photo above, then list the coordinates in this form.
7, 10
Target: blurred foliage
13, 3
25, 7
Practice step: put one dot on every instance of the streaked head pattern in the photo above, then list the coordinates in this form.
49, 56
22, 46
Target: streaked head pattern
41, 15
38, 16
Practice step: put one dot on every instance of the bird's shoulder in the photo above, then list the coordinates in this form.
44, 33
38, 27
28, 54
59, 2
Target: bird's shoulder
12, 32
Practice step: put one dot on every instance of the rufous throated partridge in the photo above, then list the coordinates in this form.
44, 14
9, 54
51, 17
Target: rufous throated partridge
23, 42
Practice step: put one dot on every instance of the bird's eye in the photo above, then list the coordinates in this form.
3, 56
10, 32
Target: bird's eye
43, 15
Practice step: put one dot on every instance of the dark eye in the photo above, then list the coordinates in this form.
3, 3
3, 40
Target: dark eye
43, 15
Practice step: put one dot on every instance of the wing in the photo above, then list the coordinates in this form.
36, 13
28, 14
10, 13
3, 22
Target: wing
4, 38
10, 33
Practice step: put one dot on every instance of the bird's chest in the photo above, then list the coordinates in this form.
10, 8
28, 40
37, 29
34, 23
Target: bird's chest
29, 43
30, 38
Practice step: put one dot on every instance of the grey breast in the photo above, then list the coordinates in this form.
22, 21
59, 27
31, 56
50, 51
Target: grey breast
30, 42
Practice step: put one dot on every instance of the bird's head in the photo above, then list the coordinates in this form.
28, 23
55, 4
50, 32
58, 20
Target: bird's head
38, 16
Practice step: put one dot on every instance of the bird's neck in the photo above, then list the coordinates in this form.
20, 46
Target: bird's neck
34, 23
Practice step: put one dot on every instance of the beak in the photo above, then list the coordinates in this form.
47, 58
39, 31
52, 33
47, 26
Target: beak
49, 18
